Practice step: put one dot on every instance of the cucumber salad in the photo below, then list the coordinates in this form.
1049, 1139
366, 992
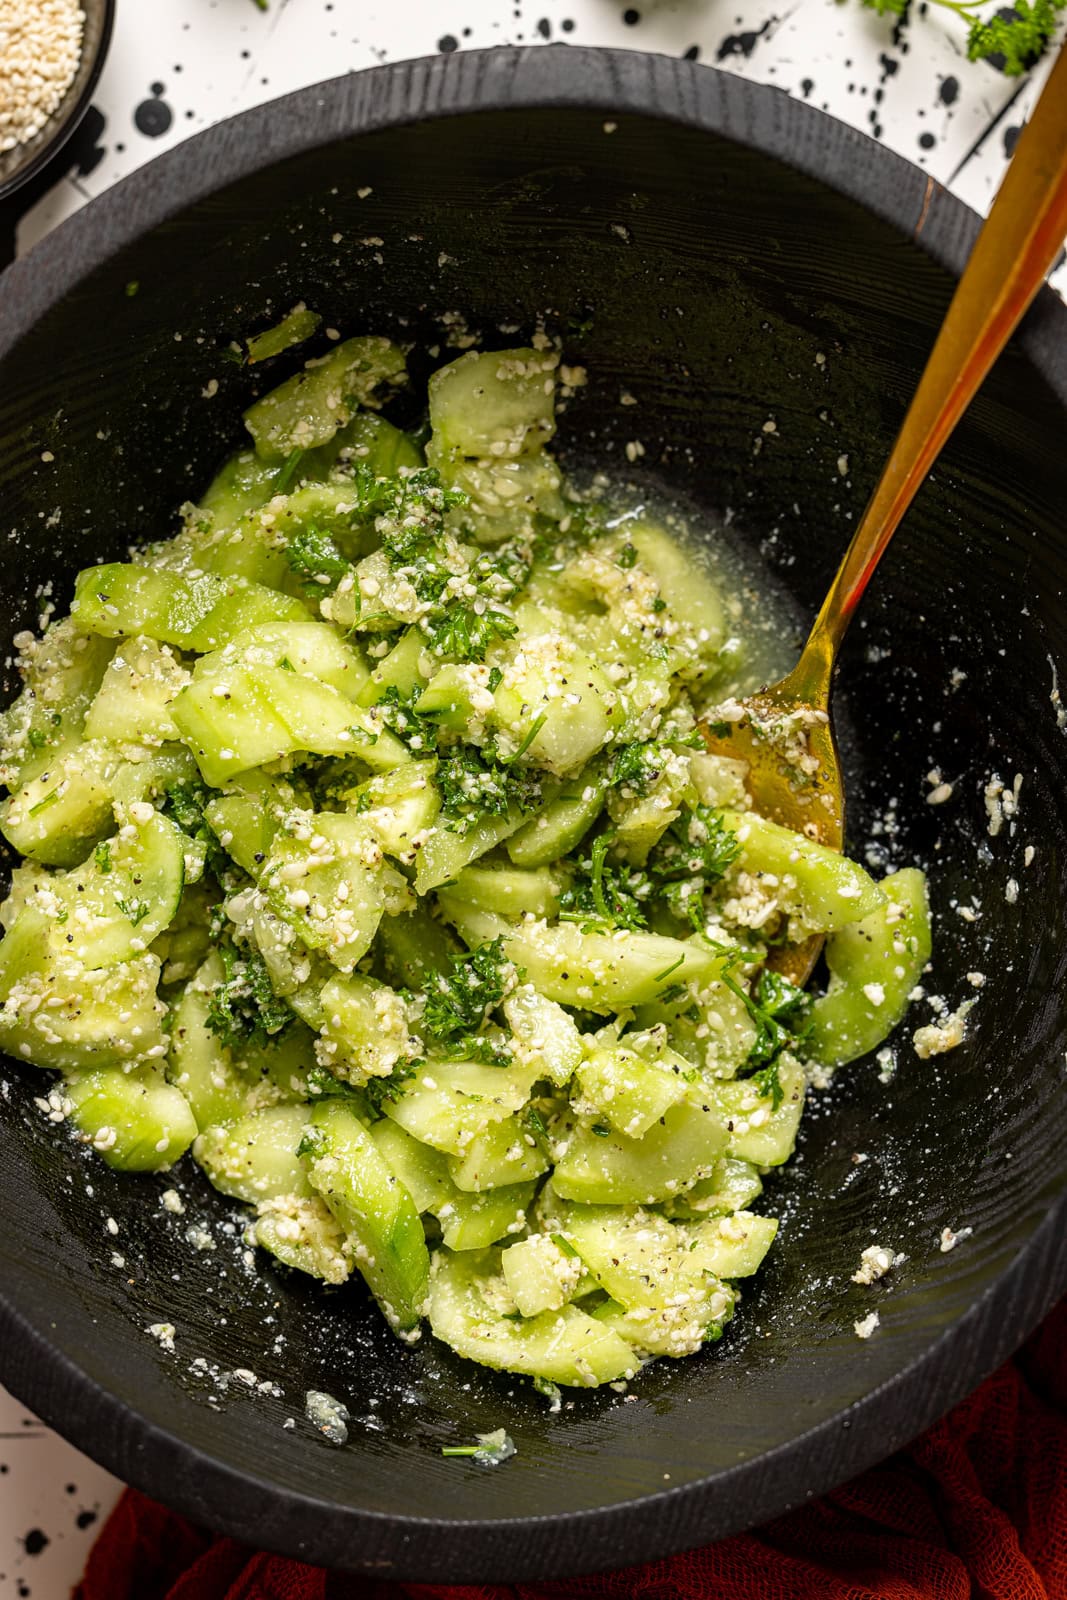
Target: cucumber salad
373, 860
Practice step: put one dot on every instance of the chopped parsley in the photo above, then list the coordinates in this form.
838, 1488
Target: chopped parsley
408, 512
466, 632
244, 1010
476, 784
457, 1004
637, 768
608, 896
102, 856
379, 1090
782, 1015
315, 558
697, 845
134, 910
185, 803
400, 715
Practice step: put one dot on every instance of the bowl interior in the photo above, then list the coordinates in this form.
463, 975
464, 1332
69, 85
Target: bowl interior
770, 330
17, 166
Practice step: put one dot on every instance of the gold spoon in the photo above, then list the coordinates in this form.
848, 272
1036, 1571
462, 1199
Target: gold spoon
1015, 249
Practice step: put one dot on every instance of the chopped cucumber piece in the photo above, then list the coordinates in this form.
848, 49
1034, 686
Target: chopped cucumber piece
831, 890
874, 965
607, 1168
565, 1346
134, 1119
308, 410
375, 1211
256, 1158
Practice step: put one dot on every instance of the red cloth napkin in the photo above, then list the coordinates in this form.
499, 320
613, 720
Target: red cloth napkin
975, 1510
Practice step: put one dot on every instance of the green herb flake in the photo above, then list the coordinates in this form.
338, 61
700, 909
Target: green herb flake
243, 1009
490, 1451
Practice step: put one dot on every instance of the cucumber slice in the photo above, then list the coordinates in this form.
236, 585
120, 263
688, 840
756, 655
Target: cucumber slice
468, 1221
332, 887
509, 891
197, 612
308, 409
731, 1247
303, 1234
256, 1158
445, 854
112, 907
311, 649
364, 1031
375, 1211
447, 1104
630, 1093
565, 1346
540, 1275
831, 890
874, 965
757, 1131
474, 1221
494, 404
504, 1153
546, 1039
415, 948
400, 807
61, 674
58, 816
600, 972
563, 823
135, 694
135, 1120
58, 1013
606, 1168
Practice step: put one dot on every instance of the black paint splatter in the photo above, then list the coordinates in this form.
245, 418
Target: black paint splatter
153, 117
35, 1541
692, 54
949, 91
807, 85
926, 141
85, 1519
544, 28
447, 43
631, 17
567, 25
1011, 139
741, 44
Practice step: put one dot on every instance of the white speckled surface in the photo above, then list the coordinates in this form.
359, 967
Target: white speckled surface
192, 62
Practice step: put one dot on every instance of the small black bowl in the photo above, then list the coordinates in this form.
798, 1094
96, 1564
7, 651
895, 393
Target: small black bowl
766, 283
19, 165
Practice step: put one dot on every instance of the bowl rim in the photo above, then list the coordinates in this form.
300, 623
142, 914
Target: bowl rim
68, 126
191, 1480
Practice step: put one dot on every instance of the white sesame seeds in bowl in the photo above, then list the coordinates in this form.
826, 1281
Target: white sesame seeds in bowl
51, 54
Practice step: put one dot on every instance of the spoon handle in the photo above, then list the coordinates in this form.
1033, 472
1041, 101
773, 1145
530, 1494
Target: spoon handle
1014, 250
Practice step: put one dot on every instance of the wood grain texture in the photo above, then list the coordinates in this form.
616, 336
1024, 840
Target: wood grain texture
703, 256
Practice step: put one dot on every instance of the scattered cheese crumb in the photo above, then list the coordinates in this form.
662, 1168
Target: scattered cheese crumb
875, 1262
171, 1200
865, 1328
949, 1239
164, 1332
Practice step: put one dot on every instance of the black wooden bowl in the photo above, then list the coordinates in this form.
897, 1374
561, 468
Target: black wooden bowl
733, 260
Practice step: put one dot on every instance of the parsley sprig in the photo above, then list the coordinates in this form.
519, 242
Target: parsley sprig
1012, 40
